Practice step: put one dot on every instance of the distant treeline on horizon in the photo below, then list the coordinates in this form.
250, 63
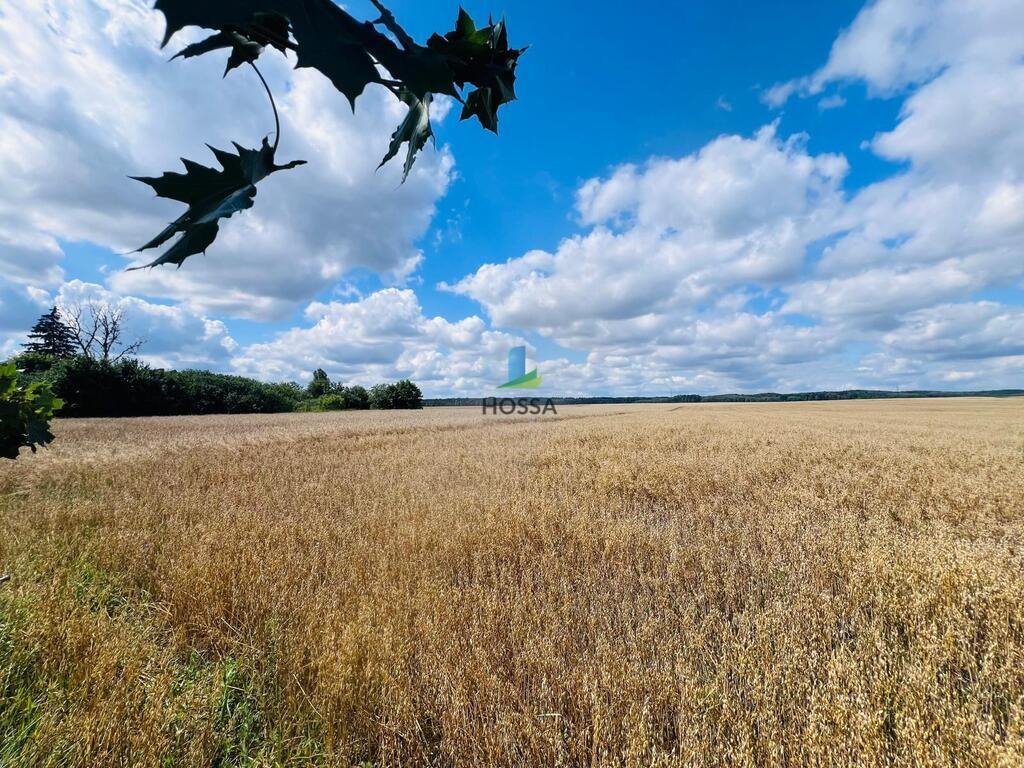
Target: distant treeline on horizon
762, 397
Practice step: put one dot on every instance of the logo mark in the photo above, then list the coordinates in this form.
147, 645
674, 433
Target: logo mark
518, 378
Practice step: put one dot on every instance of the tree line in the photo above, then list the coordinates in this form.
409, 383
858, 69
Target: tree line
83, 357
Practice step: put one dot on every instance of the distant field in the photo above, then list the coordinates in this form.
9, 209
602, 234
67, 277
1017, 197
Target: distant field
834, 584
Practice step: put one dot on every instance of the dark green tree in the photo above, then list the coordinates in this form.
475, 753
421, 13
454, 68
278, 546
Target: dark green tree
320, 385
51, 336
402, 395
380, 397
356, 398
407, 396
93, 388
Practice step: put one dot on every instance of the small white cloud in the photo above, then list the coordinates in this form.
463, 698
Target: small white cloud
832, 102
779, 94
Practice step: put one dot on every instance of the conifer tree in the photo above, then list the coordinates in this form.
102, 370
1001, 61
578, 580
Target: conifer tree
51, 336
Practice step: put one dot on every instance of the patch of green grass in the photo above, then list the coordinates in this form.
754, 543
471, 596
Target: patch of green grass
239, 717
247, 732
229, 700
20, 690
98, 590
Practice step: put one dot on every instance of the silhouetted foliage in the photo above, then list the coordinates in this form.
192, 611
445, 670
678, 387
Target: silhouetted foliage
349, 53
132, 388
97, 388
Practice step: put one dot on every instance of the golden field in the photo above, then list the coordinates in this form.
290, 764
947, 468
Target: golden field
826, 584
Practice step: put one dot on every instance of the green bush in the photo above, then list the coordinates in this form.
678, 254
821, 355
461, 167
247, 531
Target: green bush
131, 388
353, 398
340, 399
207, 393
25, 411
95, 388
402, 395
33, 365
332, 403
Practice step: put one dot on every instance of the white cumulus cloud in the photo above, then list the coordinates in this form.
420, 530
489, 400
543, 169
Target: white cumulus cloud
749, 263
87, 99
382, 337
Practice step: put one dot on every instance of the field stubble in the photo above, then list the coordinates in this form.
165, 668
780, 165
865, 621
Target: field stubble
798, 584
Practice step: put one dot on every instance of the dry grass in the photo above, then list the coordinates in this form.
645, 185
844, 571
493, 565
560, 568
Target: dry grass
804, 584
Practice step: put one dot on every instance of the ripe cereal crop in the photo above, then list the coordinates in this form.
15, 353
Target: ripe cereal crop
803, 584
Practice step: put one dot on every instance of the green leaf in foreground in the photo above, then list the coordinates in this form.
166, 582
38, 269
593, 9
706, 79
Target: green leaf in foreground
211, 195
24, 413
414, 130
482, 58
333, 43
325, 37
352, 55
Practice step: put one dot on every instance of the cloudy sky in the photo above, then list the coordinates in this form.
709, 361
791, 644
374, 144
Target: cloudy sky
690, 196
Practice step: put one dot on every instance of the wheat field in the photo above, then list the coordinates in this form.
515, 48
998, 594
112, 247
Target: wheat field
813, 584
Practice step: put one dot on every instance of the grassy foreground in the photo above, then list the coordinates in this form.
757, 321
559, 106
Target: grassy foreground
834, 584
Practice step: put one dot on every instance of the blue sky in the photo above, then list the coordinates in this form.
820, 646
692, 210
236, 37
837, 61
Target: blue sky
607, 94
688, 197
